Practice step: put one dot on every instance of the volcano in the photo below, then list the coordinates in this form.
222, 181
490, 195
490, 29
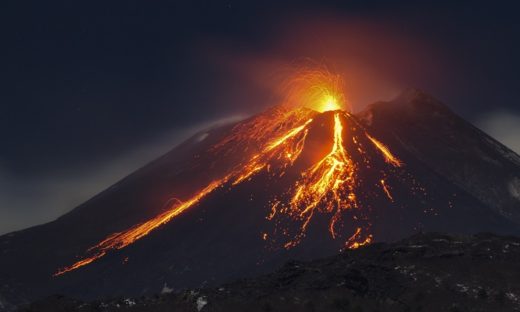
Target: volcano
289, 183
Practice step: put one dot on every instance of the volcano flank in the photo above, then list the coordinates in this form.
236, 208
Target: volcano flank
289, 183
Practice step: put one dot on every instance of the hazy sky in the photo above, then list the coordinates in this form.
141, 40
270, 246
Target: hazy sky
92, 90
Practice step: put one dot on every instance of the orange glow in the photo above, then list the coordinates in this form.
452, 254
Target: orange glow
389, 157
329, 104
317, 89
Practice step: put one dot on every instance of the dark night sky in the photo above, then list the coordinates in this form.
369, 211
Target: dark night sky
93, 90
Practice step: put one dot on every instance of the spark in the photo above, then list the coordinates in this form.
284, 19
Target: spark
387, 192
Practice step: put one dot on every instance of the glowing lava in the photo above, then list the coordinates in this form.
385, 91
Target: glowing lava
355, 242
317, 89
285, 148
329, 186
122, 239
389, 157
330, 104
387, 191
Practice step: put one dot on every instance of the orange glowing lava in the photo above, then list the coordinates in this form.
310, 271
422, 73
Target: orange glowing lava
328, 186
389, 157
355, 242
385, 189
123, 239
285, 148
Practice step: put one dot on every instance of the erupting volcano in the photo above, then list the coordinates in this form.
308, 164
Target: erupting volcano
329, 184
301, 180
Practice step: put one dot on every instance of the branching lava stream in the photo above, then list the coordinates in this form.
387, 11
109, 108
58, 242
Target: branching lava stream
328, 186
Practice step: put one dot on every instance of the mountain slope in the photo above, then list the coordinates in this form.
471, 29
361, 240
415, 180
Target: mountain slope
242, 199
453, 147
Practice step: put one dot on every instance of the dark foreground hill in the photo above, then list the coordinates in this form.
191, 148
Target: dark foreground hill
427, 272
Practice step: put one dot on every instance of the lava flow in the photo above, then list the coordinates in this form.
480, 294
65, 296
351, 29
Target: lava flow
329, 185
285, 148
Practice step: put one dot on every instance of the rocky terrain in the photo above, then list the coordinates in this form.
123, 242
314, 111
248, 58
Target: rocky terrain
426, 272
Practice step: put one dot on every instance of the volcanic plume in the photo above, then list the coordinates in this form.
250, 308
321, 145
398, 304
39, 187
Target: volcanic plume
329, 184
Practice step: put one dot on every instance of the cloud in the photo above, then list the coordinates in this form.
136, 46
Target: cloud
503, 126
29, 200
